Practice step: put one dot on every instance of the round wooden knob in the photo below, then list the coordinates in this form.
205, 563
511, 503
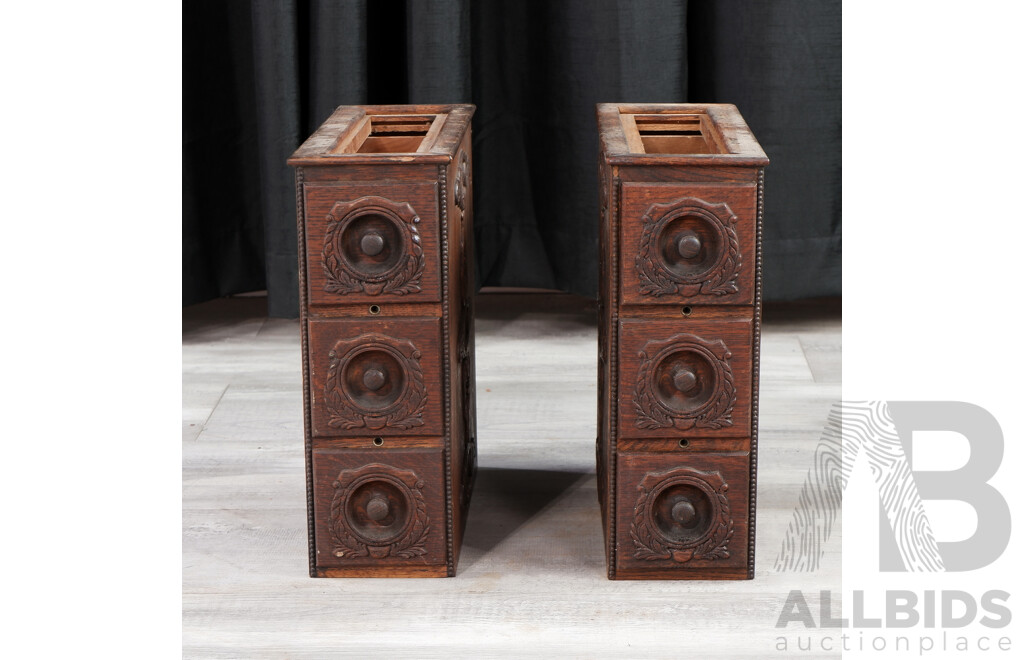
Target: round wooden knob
685, 380
688, 244
374, 379
377, 509
684, 513
371, 243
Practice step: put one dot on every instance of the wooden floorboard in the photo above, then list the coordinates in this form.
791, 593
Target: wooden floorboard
531, 580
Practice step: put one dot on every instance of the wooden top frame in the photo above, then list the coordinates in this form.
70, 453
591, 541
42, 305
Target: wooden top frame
676, 134
370, 134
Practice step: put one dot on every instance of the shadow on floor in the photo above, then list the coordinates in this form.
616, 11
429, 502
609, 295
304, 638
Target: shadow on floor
220, 313
506, 499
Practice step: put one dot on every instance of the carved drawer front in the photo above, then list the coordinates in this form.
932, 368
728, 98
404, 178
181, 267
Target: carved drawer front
680, 378
688, 243
372, 242
681, 511
379, 507
377, 379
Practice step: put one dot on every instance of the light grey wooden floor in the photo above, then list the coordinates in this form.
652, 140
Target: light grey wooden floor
531, 580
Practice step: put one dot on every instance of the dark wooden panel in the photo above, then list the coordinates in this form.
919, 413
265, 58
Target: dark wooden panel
685, 444
372, 242
683, 377
458, 200
377, 442
682, 312
383, 572
688, 175
375, 172
376, 379
379, 507
370, 312
683, 515
688, 244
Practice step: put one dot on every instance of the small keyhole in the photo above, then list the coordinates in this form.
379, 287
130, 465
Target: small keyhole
684, 443
378, 441
375, 309
687, 310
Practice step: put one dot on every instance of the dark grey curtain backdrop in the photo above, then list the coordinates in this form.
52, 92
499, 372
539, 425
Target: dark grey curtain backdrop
260, 76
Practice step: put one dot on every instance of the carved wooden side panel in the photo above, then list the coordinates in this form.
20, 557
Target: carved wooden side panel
377, 507
372, 243
462, 186
467, 391
691, 377
375, 383
688, 243
681, 510
462, 190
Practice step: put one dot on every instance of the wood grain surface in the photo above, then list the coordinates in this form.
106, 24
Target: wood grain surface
424, 335
422, 199
681, 189
640, 201
384, 208
635, 335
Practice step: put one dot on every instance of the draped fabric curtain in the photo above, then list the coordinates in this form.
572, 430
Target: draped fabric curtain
261, 76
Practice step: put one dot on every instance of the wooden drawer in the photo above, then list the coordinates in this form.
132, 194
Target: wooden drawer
688, 243
379, 379
682, 515
685, 377
372, 242
380, 508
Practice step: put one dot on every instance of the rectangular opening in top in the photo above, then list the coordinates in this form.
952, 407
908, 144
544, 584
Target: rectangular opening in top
390, 134
673, 133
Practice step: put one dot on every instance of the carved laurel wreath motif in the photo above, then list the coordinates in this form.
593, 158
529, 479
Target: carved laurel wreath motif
716, 412
656, 279
345, 412
411, 538
651, 544
401, 279
462, 181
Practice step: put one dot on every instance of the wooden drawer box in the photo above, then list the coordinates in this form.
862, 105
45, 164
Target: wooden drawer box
385, 213
370, 249
683, 514
379, 509
679, 335
375, 378
689, 379
688, 243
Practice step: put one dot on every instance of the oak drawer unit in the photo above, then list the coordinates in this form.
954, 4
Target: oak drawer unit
384, 197
679, 334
